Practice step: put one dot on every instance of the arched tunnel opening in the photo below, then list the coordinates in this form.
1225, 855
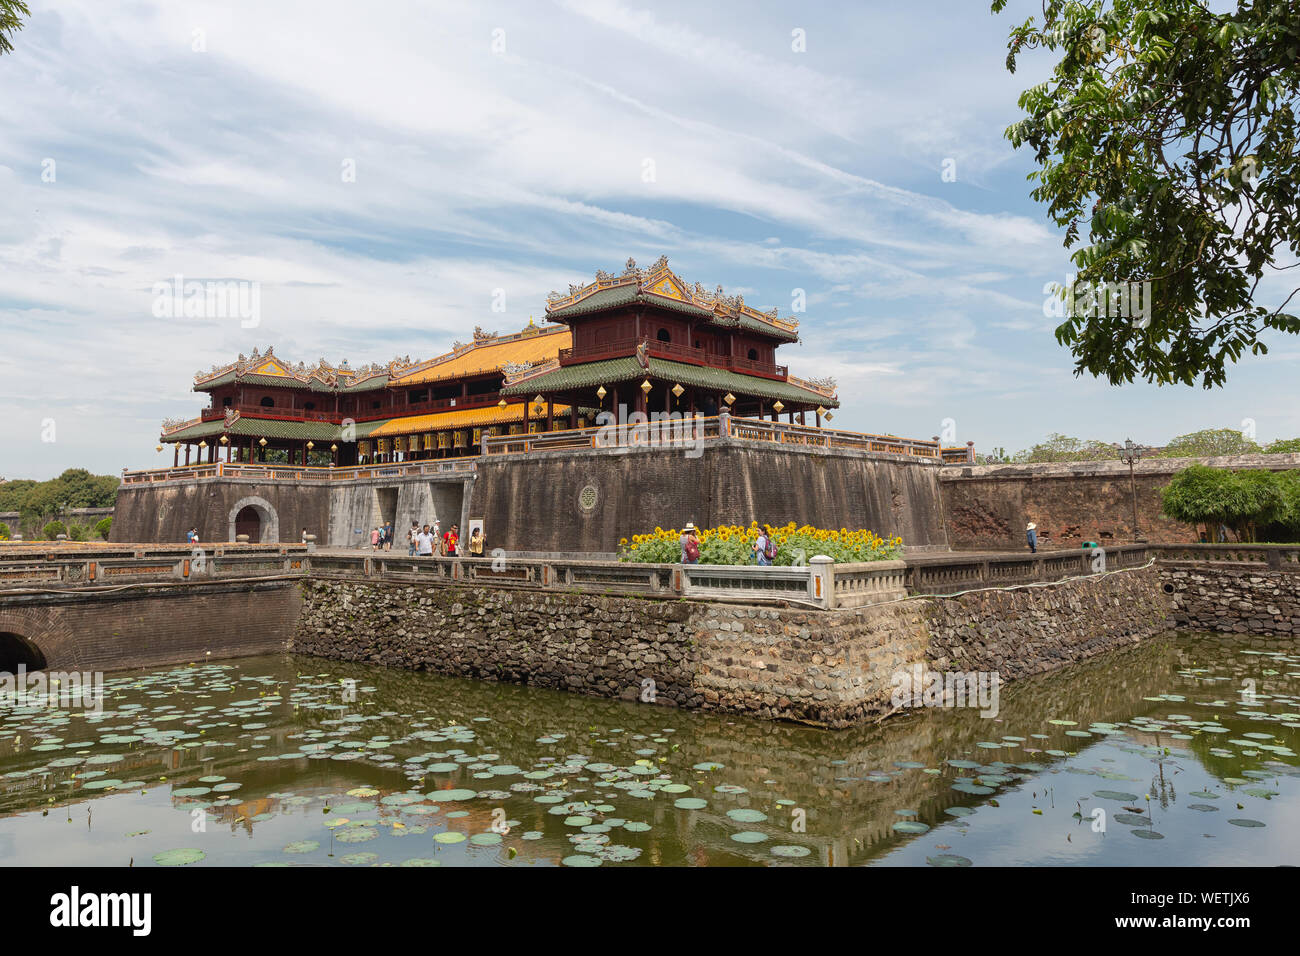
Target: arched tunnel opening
16, 650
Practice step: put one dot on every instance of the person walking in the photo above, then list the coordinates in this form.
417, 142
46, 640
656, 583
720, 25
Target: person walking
304, 535
476, 543
1031, 537
424, 543
690, 544
374, 539
449, 541
388, 536
764, 549
410, 539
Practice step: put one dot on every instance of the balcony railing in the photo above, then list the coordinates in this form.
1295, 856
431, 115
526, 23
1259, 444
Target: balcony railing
368, 415
233, 469
692, 430
671, 350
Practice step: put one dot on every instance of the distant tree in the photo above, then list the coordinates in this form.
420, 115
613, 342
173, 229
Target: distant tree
4, 531
1167, 133
1208, 442
1060, 447
77, 532
10, 22
53, 530
1283, 446
104, 526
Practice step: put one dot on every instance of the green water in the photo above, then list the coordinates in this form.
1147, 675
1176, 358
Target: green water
264, 761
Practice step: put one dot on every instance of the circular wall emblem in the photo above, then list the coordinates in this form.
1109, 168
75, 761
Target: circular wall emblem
588, 497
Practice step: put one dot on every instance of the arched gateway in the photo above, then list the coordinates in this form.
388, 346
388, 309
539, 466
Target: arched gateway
256, 518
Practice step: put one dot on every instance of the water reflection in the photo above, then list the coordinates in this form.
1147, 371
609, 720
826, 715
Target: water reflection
269, 754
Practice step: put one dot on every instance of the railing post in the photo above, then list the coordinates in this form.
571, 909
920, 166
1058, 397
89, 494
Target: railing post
821, 581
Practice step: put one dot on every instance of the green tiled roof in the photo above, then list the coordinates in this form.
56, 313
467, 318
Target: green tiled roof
378, 381
590, 374
604, 299
764, 328
271, 428
721, 380
586, 375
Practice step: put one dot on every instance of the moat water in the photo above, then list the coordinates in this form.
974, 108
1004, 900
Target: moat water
1187, 745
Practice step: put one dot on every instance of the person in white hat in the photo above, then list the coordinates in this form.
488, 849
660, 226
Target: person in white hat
1031, 535
690, 544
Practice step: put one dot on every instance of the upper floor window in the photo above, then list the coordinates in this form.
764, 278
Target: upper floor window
268, 402
225, 402
310, 406
753, 355
664, 336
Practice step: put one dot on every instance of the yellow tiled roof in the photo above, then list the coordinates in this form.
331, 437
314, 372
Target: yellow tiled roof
461, 418
490, 355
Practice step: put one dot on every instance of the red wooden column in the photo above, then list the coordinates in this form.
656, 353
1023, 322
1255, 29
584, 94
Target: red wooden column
550, 413
187, 453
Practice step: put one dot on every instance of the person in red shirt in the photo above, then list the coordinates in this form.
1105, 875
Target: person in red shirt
449, 542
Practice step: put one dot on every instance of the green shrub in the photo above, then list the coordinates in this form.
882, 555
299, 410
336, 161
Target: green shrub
4, 531
77, 532
53, 530
103, 527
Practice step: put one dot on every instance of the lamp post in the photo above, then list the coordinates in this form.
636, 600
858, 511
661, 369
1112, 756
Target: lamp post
1130, 453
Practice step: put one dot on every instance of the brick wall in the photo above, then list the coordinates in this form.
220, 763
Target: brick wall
986, 507
154, 626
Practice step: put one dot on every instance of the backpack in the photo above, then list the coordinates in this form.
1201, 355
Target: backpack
770, 551
692, 549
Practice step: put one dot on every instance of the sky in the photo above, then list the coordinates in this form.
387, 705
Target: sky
388, 176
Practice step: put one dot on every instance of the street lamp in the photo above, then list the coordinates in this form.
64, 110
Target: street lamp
1130, 453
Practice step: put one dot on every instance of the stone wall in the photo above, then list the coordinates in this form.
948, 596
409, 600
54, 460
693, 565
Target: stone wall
586, 500
831, 668
165, 511
1241, 598
986, 507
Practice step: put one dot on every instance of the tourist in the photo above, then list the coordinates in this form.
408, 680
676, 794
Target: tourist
388, 536
189, 536
410, 539
374, 539
449, 542
424, 543
476, 541
764, 549
304, 535
1031, 536
690, 545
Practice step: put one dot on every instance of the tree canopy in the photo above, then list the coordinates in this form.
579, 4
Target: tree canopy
1167, 135
1245, 501
10, 22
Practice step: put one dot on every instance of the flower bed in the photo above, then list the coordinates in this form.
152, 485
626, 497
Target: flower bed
733, 544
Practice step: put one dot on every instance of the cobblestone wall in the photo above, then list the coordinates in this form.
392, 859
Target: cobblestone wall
831, 668
1241, 599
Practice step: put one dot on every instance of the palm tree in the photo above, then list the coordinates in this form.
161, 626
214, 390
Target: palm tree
10, 22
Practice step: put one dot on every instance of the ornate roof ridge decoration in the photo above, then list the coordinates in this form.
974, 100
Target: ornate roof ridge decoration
660, 280
170, 425
332, 376
518, 372
482, 340
826, 386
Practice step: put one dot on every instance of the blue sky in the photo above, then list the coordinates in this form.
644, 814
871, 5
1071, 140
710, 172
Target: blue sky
503, 145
